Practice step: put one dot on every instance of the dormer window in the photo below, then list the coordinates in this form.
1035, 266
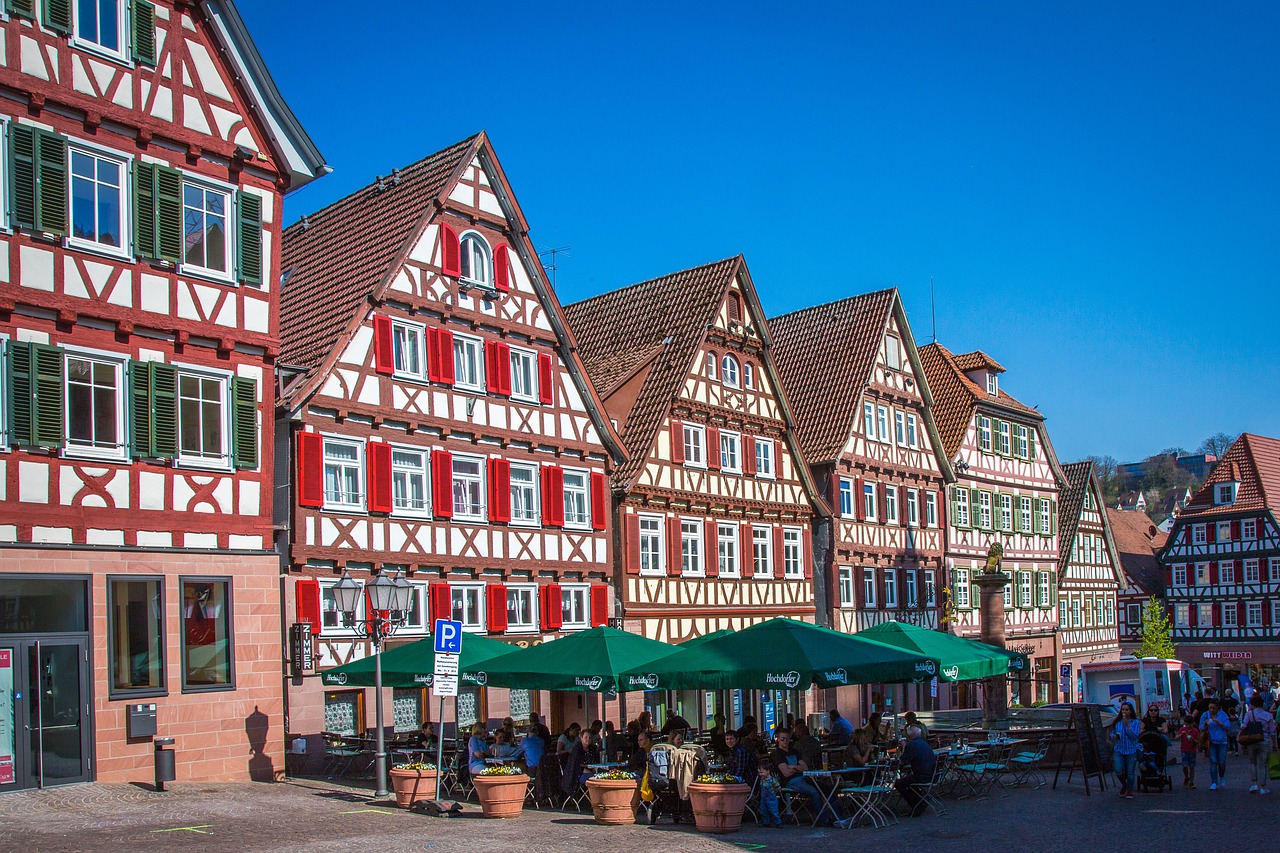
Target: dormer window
993, 384
1225, 493
892, 353
729, 371
477, 260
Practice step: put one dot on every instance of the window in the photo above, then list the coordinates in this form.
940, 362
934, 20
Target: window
409, 478
577, 498
846, 497
1224, 531
695, 439
202, 417
749, 375
343, 474
468, 488
207, 646
984, 433
1275, 612
913, 431
524, 494
1252, 614
206, 234
467, 604
331, 623
900, 427
1251, 574
984, 510
522, 607
691, 546
730, 452
95, 406
869, 501
468, 363
1133, 615
575, 606
524, 375
729, 371
651, 546
891, 504
869, 587
891, 588
1025, 504
713, 362
1249, 529
913, 598
1075, 613
962, 506
1006, 512
1004, 448
869, 419
727, 549
1226, 493
98, 201
846, 587
764, 457
1202, 574
930, 590
1182, 616
1274, 571
792, 553
1020, 442
1198, 534
1227, 572
1046, 520
1043, 594
101, 24
1024, 589
407, 349
892, 353
477, 263
1180, 575
931, 509
913, 507
135, 611
415, 621
993, 384
960, 588
882, 423
1008, 596
1204, 615
1229, 614
762, 551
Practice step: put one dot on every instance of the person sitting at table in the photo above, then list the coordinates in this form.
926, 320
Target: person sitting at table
790, 770
531, 749
806, 746
874, 729
597, 727
613, 746
741, 761
576, 771
840, 728
425, 737
639, 760
717, 735
566, 741
910, 718
509, 726
858, 753
502, 746
477, 749
918, 763
674, 723
645, 721
543, 731
749, 736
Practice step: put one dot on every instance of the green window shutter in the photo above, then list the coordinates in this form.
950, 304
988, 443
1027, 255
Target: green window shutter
955, 506
168, 214
140, 442
1017, 512
1035, 515
51, 184
22, 175
47, 401
164, 410
1053, 590
249, 237
1053, 518
975, 597
975, 510
1031, 443
57, 15
244, 422
144, 210
21, 8
21, 392
142, 18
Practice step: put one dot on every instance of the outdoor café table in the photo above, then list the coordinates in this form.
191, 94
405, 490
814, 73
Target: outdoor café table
411, 753
510, 759
820, 778
606, 766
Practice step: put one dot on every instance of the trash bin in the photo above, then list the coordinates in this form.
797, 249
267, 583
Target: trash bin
166, 762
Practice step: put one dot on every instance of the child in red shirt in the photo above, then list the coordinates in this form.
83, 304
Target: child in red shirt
1188, 741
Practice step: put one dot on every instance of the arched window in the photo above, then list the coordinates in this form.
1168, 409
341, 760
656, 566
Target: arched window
729, 371
749, 375
712, 362
477, 263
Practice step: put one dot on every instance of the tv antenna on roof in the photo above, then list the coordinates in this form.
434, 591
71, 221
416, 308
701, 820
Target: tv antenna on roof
552, 265
933, 311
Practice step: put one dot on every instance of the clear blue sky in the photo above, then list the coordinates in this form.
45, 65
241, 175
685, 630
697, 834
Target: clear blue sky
1094, 188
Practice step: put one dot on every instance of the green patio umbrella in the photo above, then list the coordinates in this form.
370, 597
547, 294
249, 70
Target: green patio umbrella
785, 654
959, 659
598, 660
412, 665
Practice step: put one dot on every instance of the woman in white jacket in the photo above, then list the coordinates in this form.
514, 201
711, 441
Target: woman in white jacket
1261, 724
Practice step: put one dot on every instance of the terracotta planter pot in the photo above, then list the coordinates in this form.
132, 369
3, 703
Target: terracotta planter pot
718, 808
614, 801
501, 796
410, 786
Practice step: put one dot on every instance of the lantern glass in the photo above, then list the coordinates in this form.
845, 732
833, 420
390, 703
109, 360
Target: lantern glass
346, 594
382, 592
403, 593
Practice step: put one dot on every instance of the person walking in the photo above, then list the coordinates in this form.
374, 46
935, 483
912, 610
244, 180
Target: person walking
1215, 723
1125, 733
1257, 732
1188, 744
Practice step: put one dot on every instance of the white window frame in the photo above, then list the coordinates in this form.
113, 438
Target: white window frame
765, 466
358, 464
1224, 494
410, 331
417, 601
993, 384
882, 424
1227, 572
1250, 620
931, 509
1230, 616
479, 624
1273, 571
1005, 439
728, 543
749, 375
120, 452
1025, 589
1008, 595
569, 592
890, 503
894, 361
1006, 513
1028, 517
792, 552
124, 250
730, 451
870, 501
527, 591
713, 365
963, 514
913, 507
913, 431
1248, 529
1275, 612
913, 591
960, 588
1076, 616
1182, 615
520, 359
692, 553
868, 587
422, 469
694, 437
466, 260
1044, 590
986, 512
891, 588
533, 492
577, 517
1224, 531
207, 185
1020, 441
1133, 615
1180, 574
869, 420
1204, 615
658, 533
123, 31
847, 593
846, 492
730, 371
762, 551
900, 427
337, 630
1199, 534
480, 516
1046, 517
1252, 571
985, 440
930, 589
1202, 574
470, 345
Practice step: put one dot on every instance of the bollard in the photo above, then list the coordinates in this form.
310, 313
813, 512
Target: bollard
166, 762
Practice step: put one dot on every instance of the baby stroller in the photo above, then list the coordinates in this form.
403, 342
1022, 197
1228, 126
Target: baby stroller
1152, 775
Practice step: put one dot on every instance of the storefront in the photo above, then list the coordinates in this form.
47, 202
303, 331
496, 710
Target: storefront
1222, 667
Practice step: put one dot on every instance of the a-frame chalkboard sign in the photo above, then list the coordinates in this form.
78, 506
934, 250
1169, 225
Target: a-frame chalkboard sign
1085, 748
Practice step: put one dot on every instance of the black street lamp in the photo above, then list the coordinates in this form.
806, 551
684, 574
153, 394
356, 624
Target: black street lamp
388, 608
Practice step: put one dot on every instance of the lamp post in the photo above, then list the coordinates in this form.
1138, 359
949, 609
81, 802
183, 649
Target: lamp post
387, 603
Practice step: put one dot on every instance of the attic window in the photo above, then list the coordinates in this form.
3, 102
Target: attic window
1225, 493
892, 353
477, 264
993, 384
713, 361
735, 308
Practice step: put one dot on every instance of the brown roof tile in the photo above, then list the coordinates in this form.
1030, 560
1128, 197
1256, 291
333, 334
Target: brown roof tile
1253, 461
977, 360
825, 355
1138, 540
955, 395
1070, 505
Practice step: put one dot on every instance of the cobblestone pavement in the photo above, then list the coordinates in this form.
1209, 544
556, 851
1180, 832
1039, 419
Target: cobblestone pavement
315, 815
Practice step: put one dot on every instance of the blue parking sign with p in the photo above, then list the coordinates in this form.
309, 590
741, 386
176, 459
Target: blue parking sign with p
448, 637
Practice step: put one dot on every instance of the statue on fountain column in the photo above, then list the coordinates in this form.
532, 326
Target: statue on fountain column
995, 556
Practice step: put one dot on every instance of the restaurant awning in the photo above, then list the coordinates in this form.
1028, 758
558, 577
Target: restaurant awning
959, 659
596, 660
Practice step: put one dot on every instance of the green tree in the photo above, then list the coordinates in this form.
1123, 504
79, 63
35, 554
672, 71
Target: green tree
1157, 633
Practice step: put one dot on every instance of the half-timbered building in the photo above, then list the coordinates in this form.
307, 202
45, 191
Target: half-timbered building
854, 379
715, 504
1138, 540
436, 422
1089, 577
1222, 566
145, 155
1006, 492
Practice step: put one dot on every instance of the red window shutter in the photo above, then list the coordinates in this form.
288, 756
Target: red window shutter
713, 448
882, 502
306, 594
445, 338
552, 607
545, 392
499, 490
495, 598
805, 562
748, 550
859, 502
1211, 532
1213, 572
599, 500
749, 455
778, 559
442, 483
1242, 612
711, 538
1215, 614
599, 605
490, 367
503, 352
379, 476
631, 543
902, 506
675, 563
441, 602
1235, 530
1266, 613
450, 251
433, 355
501, 268
552, 496
310, 469
677, 442
383, 351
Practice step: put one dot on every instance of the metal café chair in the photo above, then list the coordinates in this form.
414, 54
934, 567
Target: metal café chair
1026, 765
971, 773
931, 791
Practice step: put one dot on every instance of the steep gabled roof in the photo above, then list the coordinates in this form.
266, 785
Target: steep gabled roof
1254, 461
338, 257
1138, 540
826, 356
1079, 479
977, 360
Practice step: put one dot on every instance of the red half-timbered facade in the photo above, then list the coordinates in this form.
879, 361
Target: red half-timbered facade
437, 423
714, 506
1222, 566
1006, 492
1089, 577
863, 413
145, 154
1138, 540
